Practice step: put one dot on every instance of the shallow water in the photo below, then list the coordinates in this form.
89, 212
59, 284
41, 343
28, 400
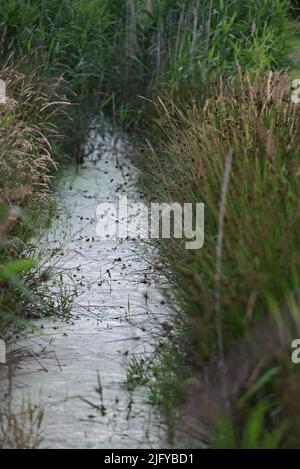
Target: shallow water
118, 310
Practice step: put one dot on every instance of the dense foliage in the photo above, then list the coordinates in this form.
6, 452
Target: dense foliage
65, 61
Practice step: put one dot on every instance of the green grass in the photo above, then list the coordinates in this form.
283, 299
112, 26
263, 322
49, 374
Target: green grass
111, 51
253, 114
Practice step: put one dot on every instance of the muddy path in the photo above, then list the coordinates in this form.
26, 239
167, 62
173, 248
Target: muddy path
117, 311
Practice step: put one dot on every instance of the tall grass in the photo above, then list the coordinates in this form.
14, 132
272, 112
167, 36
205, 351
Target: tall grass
26, 168
61, 38
259, 274
184, 45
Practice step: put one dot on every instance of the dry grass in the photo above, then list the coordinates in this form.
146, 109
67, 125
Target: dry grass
27, 128
259, 273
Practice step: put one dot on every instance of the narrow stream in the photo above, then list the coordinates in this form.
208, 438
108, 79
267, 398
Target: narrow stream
118, 310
